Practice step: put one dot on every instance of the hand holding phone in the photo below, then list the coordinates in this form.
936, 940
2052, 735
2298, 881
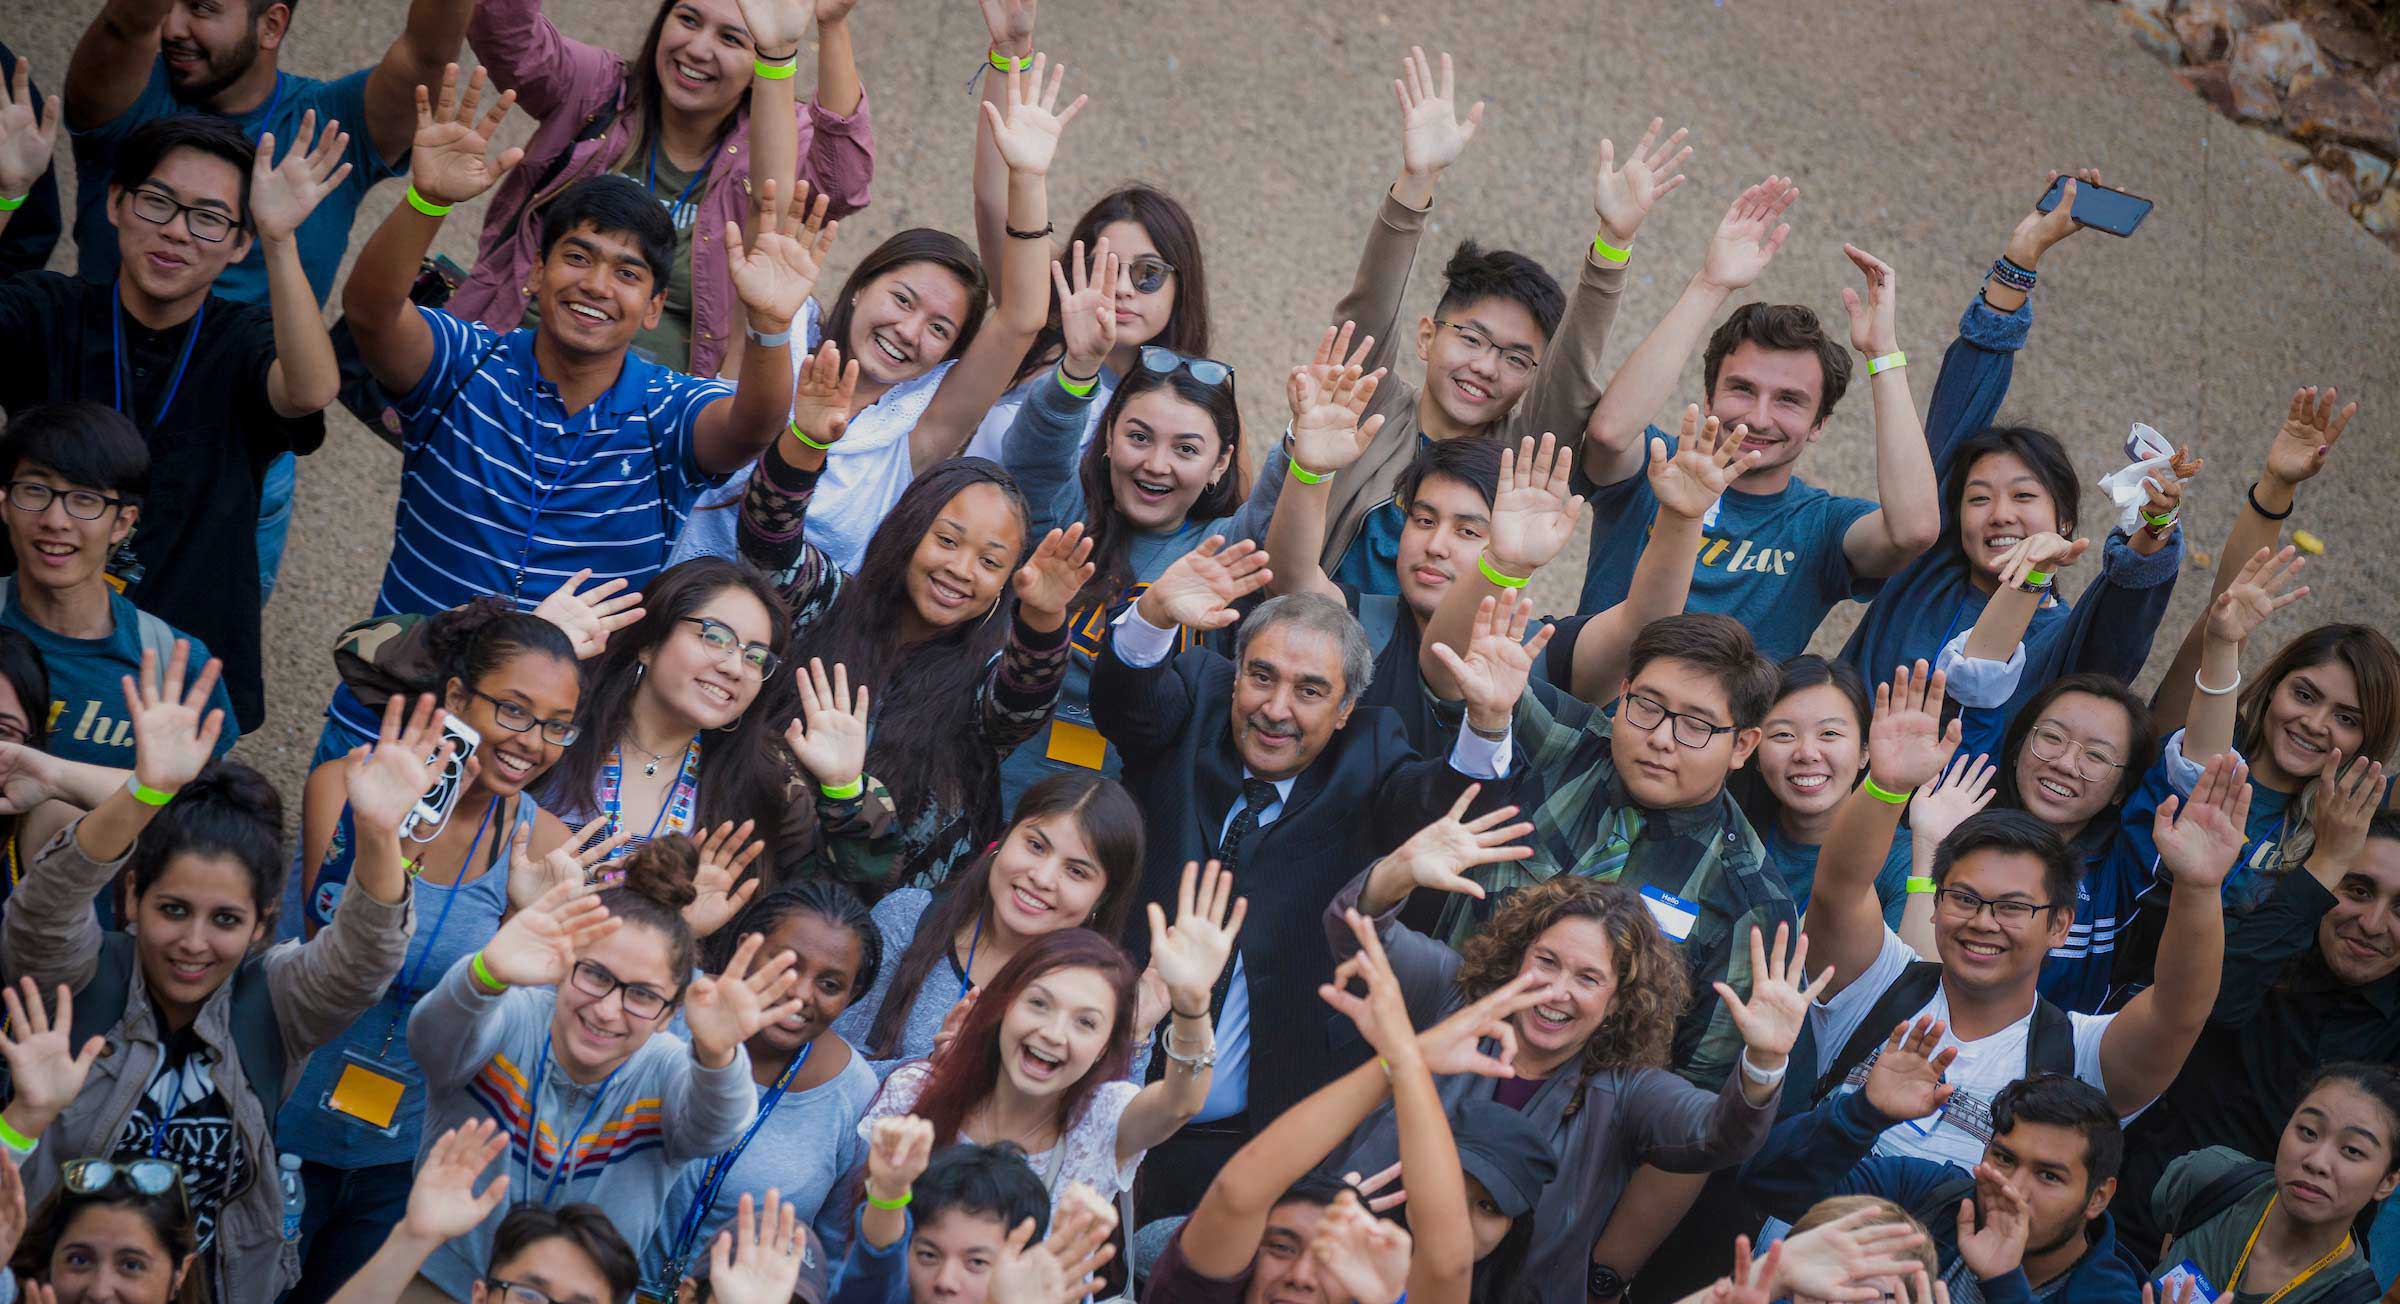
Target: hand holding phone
433, 809
2102, 208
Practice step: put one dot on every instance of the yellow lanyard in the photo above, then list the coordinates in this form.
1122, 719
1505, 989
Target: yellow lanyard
2305, 1273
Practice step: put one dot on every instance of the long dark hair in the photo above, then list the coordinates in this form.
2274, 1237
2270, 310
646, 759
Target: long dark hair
643, 95
1112, 537
2141, 736
22, 667
744, 771
166, 1215
228, 810
968, 1074
924, 694
1170, 228
1797, 674
2042, 454
2371, 659
1108, 819
472, 643
918, 244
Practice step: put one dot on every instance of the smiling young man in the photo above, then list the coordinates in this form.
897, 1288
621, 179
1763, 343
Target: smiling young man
1780, 552
2004, 895
218, 389
74, 477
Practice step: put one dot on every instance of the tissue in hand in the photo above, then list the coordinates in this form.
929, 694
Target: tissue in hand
2129, 487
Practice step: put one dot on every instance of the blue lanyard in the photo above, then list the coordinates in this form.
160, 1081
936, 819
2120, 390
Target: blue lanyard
405, 993
567, 1147
650, 180
713, 1180
267, 118
974, 940
116, 327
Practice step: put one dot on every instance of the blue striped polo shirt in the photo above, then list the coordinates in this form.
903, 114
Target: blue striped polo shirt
504, 492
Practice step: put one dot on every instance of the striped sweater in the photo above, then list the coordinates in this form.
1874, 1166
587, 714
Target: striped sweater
482, 1056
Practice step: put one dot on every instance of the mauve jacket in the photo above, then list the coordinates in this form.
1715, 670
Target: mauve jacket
568, 85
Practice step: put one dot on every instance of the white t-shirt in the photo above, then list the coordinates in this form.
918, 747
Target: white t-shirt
1087, 1153
1958, 1133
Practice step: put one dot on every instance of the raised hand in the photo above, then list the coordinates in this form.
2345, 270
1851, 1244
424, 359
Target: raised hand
2166, 492
28, 777
1753, 1281
1997, 1246
1438, 855
1533, 516
1623, 196
1087, 306
1198, 591
897, 1152
822, 394
2044, 552
1381, 1015
721, 1011
1875, 323
28, 139
2342, 804
1365, 1255
776, 26
1028, 133
588, 616
1907, 745
2199, 838
1060, 1269
1750, 234
724, 860
443, 1204
452, 161
2263, 588
1058, 569
1190, 955
1708, 459
1328, 402
1905, 1081
829, 737
777, 271
282, 195
46, 1070
1432, 135
1455, 1045
1381, 1192
1491, 676
1833, 1261
536, 946
1780, 995
174, 731
384, 780
530, 879
1010, 23
757, 1257
1938, 807
2037, 230
2309, 431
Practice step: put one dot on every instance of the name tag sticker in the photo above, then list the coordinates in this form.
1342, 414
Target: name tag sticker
1076, 744
1673, 915
366, 1095
2187, 1271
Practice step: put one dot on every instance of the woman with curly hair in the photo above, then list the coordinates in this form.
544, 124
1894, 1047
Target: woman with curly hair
1589, 1060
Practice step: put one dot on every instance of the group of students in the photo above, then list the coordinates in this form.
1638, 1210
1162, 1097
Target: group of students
943, 827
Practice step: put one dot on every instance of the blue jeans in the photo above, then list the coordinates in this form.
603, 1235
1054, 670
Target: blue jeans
274, 520
350, 1212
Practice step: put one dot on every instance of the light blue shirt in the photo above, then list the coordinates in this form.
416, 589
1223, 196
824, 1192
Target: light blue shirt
1229, 1086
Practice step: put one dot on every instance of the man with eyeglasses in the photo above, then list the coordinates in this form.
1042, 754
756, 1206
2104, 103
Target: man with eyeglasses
2004, 895
75, 477
217, 389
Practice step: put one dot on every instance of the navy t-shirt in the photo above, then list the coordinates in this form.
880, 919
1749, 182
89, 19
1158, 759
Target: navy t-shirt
88, 720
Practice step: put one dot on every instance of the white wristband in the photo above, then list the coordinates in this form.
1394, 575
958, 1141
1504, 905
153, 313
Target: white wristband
1761, 1076
2234, 687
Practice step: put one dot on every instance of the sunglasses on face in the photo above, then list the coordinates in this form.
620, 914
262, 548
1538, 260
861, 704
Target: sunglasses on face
1149, 273
1159, 360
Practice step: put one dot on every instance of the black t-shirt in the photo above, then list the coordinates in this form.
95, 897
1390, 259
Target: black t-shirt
198, 534
182, 1117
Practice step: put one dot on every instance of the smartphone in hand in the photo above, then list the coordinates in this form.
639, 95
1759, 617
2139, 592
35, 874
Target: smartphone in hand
2101, 208
433, 809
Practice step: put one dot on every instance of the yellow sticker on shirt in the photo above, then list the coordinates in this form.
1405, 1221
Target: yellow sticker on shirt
366, 1095
1077, 744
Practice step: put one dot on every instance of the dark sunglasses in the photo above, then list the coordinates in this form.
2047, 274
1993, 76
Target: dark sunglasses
1159, 360
1149, 274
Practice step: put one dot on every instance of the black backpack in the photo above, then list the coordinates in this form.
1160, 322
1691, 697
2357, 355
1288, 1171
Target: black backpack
2049, 1048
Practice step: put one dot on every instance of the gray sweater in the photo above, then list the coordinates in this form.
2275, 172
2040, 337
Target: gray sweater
656, 1113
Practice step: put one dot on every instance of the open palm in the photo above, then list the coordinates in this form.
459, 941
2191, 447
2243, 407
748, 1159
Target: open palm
1906, 1080
2309, 431
1191, 954
1533, 516
1327, 404
1708, 458
1491, 676
1055, 573
1028, 133
443, 1204
829, 738
1623, 196
2263, 588
27, 139
1198, 590
451, 161
282, 195
1906, 745
2199, 837
1432, 135
406, 760
1750, 234
1087, 304
776, 272
1780, 995
821, 399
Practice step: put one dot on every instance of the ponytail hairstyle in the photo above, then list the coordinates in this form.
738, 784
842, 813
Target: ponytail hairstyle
2373, 662
1169, 226
656, 886
471, 642
1110, 822
969, 1072
165, 1214
824, 898
1112, 538
229, 810
920, 244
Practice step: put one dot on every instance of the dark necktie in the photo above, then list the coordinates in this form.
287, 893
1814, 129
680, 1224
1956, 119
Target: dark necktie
1257, 795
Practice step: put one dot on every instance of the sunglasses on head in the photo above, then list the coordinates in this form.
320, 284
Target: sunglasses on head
1159, 360
144, 1176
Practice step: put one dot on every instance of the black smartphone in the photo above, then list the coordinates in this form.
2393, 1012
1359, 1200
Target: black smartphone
2101, 208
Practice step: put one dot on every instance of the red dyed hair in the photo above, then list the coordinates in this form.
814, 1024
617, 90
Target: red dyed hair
969, 1072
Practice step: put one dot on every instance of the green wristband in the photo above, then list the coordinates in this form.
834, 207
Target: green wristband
2036, 581
1306, 476
1608, 253
1004, 63
1920, 886
484, 975
802, 436
844, 792
1888, 362
1484, 564
891, 1206
1883, 794
426, 206
1079, 388
775, 71
2161, 522
12, 205
16, 1140
145, 794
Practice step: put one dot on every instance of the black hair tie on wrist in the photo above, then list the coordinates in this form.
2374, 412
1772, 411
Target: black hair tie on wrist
2252, 491
1043, 234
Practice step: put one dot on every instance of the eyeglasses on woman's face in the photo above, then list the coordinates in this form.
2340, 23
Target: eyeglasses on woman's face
721, 639
593, 979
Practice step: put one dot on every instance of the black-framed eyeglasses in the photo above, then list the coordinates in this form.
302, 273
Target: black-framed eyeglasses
1959, 903
1515, 361
145, 1176
33, 498
1159, 360
1691, 731
593, 979
2049, 742
1149, 273
516, 719
158, 209
721, 639
501, 1291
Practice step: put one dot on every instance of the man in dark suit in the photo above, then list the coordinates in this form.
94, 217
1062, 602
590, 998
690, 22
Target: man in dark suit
1264, 764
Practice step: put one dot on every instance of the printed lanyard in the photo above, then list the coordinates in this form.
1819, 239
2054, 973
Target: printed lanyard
568, 1150
713, 1180
2305, 1273
675, 812
116, 327
405, 992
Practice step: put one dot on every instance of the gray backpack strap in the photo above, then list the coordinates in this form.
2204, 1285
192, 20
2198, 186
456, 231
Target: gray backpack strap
158, 637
